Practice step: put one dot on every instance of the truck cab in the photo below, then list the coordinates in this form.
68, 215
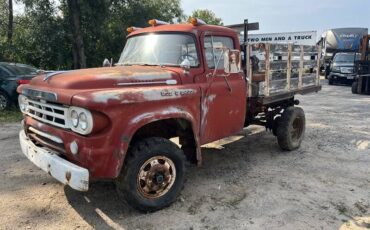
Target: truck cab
116, 123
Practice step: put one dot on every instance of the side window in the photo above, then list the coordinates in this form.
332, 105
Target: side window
214, 50
3, 73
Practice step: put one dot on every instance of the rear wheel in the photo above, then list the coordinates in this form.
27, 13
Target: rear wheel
355, 87
153, 174
4, 101
291, 128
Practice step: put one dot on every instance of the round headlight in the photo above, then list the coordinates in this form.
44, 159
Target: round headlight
80, 120
83, 121
74, 118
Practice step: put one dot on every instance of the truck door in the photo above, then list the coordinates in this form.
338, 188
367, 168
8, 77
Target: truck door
223, 102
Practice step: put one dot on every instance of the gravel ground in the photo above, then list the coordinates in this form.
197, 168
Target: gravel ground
246, 181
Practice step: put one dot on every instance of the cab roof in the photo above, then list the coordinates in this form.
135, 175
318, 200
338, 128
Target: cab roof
182, 28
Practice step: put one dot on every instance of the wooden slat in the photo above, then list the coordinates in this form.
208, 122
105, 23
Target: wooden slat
318, 66
267, 73
301, 68
289, 67
249, 70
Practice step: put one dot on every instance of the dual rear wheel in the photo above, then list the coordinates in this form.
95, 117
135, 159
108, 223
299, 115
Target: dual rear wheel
290, 128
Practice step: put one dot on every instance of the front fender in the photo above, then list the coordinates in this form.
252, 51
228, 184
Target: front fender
171, 112
129, 109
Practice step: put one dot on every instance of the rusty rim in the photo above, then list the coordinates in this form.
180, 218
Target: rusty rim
297, 131
156, 177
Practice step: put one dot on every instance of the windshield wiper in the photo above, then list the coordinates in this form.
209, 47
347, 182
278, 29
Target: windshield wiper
169, 64
123, 64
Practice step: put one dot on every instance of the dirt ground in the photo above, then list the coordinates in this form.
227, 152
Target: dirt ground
246, 181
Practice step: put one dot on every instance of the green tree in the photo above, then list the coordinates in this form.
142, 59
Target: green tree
40, 38
44, 34
207, 16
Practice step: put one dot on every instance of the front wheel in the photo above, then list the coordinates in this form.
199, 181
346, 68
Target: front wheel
153, 174
291, 128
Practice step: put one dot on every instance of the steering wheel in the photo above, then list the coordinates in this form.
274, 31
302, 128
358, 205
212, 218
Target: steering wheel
186, 56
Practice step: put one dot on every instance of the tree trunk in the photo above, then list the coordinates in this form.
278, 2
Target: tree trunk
79, 58
10, 22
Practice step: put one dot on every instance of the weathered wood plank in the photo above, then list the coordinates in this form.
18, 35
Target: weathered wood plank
301, 68
267, 73
318, 65
249, 70
289, 67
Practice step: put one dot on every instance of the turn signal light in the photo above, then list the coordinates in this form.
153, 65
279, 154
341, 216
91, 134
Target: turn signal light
156, 22
196, 22
23, 81
132, 29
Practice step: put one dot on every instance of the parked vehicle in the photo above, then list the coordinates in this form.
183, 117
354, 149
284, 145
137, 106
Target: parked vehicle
344, 40
182, 81
343, 68
11, 76
361, 84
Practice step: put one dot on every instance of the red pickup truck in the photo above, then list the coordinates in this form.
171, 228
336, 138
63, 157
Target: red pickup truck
183, 80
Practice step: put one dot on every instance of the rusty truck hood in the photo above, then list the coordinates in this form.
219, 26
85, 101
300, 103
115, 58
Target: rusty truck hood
97, 78
69, 83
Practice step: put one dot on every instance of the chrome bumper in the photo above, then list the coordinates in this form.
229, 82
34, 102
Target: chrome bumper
62, 170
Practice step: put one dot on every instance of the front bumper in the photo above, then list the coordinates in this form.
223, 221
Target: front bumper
49, 161
337, 75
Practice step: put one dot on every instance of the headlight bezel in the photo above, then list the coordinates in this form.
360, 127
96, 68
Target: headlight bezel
336, 69
89, 120
22, 103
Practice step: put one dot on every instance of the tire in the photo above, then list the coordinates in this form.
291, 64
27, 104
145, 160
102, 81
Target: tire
153, 174
355, 87
4, 101
291, 128
331, 81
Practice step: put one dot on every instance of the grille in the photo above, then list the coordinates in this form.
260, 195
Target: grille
347, 69
47, 113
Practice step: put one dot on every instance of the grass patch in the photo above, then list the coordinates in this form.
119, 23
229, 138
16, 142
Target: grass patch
13, 115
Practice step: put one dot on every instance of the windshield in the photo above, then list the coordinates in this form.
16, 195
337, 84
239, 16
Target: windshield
159, 49
350, 57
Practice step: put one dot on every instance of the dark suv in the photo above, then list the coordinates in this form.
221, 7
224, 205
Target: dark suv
343, 68
11, 76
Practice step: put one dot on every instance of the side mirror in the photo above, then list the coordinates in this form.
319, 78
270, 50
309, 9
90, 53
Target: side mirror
185, 65
232, 61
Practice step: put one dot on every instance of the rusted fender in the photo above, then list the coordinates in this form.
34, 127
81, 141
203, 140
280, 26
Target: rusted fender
129, 109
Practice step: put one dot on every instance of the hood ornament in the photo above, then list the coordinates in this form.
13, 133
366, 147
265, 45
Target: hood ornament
49, 75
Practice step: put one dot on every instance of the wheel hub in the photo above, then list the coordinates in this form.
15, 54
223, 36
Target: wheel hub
159, 179
156, 177
297, 128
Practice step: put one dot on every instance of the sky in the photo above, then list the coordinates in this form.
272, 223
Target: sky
277, 16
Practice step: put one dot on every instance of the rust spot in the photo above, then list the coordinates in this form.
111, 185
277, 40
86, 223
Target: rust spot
118, 154
68, 176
